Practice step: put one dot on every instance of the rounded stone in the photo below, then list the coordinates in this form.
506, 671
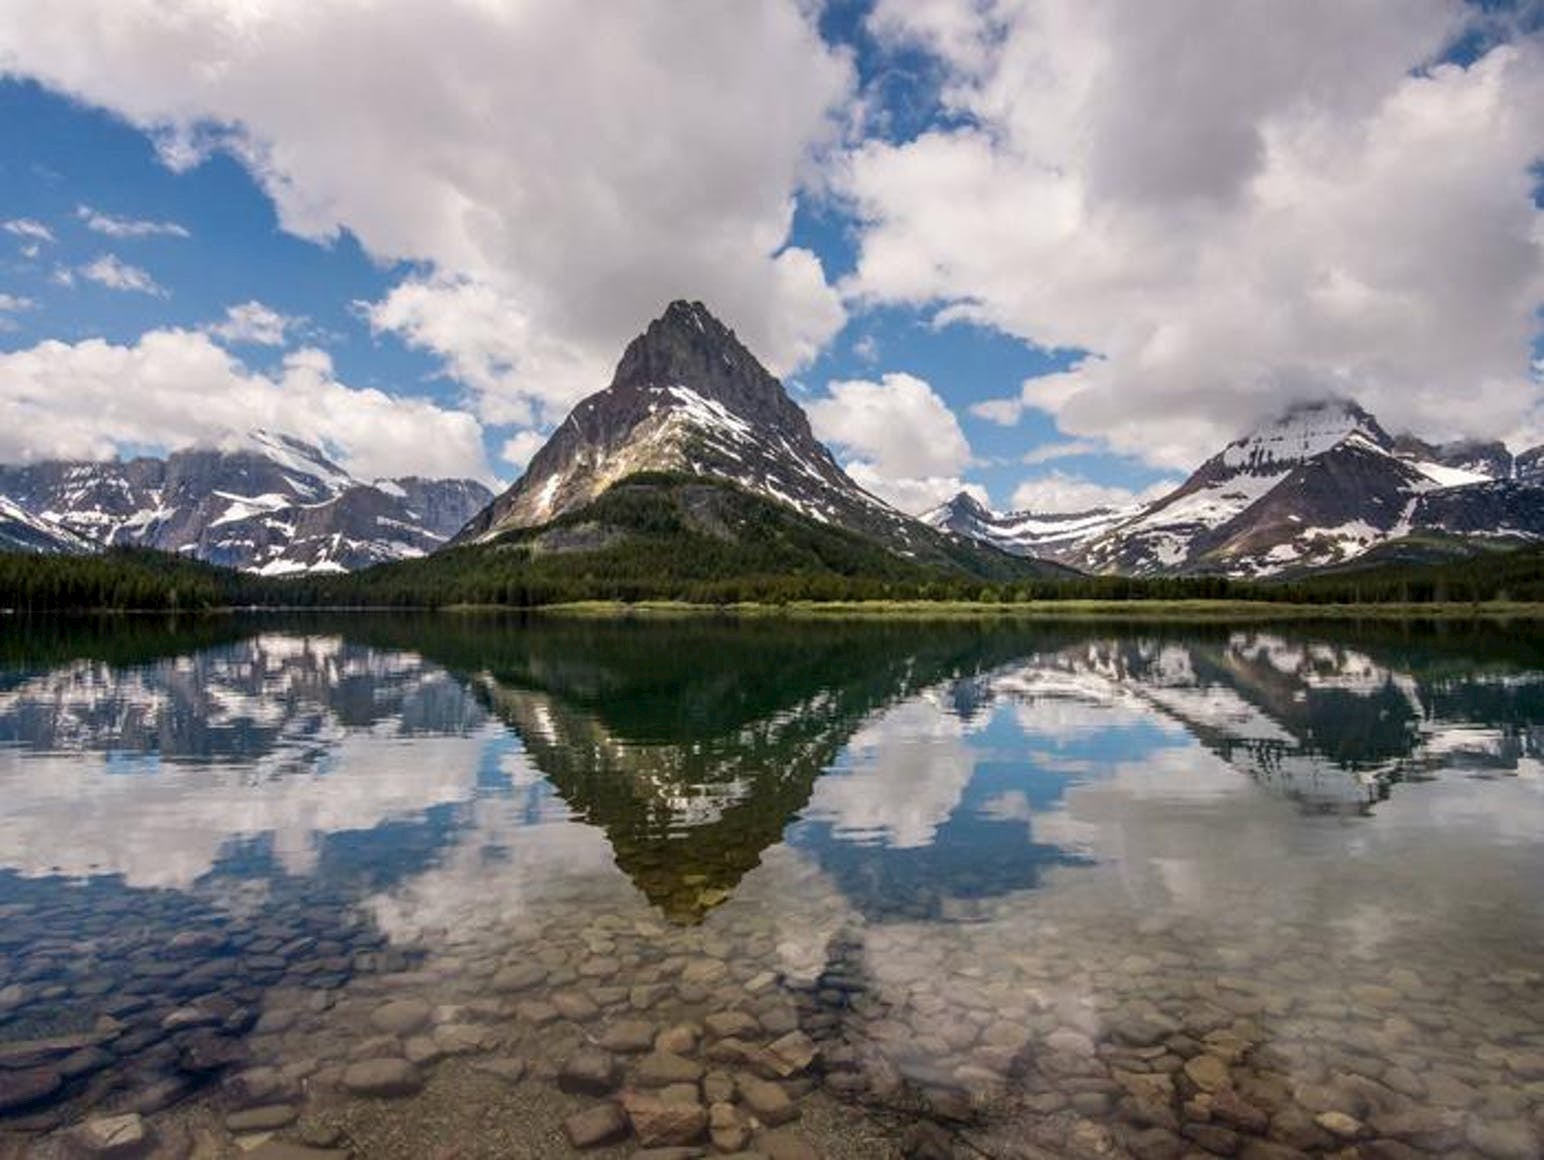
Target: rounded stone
661, 1068
588, 1072
659, 1122
1207, 1072
384, 1078
18, 1089
767, 1101
265, 1119
111, 1138
402, 1016
596, 1127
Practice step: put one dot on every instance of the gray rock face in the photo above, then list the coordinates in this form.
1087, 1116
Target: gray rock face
273, 504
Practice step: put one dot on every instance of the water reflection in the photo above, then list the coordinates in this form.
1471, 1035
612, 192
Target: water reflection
1016, 879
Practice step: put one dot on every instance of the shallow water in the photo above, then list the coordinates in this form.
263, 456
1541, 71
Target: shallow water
434, 886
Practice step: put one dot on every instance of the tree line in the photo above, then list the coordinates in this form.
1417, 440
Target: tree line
700, 570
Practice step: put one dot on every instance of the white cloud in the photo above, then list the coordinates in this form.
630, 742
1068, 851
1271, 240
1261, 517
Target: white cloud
254, 323
12, 304
113, 272
900, 440
908, 770
1066, 449
584, 175
28, 228
1227, 212
173, 388
518, 450
117, 227
487, 341
1060, 491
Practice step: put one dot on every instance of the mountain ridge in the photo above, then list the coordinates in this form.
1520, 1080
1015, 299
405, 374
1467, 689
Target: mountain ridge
260, 501
1316, 486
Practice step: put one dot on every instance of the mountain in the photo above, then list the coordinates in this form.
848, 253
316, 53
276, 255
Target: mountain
688, 399
1052, 535
1317, 486
269, 504
22, 531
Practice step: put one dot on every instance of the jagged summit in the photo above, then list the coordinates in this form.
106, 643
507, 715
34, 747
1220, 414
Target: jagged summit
967, 504
687, 396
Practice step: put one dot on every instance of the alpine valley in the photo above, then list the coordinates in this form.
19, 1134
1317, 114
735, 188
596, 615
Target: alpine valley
1321, 486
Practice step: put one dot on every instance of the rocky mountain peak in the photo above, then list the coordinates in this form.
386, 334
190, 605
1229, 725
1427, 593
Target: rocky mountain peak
688, 347
966, 504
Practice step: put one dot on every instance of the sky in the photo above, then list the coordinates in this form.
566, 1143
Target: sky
1055, 252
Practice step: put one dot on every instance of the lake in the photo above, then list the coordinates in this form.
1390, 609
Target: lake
462, 886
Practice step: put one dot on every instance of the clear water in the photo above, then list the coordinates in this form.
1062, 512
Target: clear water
950, 890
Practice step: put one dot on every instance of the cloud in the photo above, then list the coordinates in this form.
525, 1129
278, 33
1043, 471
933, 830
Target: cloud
113, 272
171, 388
901, 440
1228, 213
582, 178
12, 304
29, 229
117, 227
487, 341
1067, 449
253, 323
1060, 491
518, 450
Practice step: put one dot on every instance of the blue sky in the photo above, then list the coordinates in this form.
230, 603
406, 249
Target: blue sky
975, 267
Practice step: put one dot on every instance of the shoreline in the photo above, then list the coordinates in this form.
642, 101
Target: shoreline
1140, 609
1195, 610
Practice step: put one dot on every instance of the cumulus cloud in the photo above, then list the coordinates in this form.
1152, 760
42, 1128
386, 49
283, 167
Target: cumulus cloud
173, 388
519, 449
113, 272
899, 439
253, 323
11, 303
575, 182
1226, 212
119, 227
1060, 491
489, 342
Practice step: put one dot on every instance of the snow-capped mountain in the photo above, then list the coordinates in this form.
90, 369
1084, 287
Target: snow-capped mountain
1319, 485
1052, 535
22, 531
688, 397
266, 503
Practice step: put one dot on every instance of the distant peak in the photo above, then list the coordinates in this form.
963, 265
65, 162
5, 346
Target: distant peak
965, 502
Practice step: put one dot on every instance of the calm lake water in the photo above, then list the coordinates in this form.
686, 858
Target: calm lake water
466, 887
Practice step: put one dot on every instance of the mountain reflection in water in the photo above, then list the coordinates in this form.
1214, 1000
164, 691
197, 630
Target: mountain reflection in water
874, 802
